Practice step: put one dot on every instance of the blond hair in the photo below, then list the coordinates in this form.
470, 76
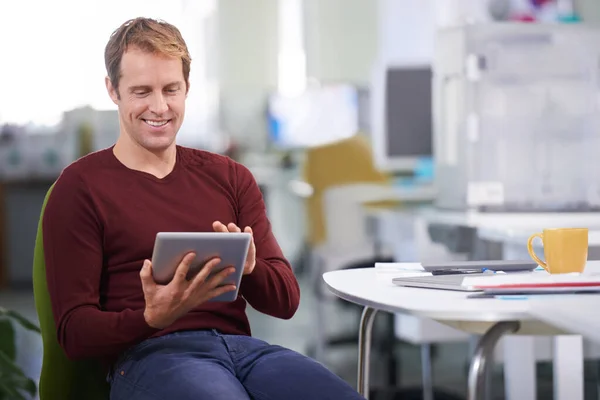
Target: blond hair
149, 35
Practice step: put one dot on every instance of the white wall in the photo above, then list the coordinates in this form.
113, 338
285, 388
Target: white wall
340, 39
247, 66
341, 43
406, 31
343, 39
589, 10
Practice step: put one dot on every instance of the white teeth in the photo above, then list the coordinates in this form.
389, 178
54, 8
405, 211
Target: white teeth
156, 123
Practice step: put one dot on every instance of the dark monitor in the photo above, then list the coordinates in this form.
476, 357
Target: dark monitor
402, 117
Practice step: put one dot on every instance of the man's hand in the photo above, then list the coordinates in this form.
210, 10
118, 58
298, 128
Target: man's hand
167, 303
251, 257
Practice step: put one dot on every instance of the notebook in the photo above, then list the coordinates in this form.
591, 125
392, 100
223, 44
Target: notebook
537, 282
444, 282
513, 283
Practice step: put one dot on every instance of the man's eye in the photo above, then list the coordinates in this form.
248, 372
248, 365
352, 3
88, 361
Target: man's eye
140, 92
172, 91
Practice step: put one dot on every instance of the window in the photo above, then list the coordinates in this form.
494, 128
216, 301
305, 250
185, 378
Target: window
53, 56
292, 56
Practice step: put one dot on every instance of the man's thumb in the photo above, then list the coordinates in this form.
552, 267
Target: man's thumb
145, 273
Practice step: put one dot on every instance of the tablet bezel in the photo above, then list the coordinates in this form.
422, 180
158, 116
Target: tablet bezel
230, 247
492, 265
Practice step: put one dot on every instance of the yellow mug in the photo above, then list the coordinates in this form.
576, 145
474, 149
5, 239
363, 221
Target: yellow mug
565, 249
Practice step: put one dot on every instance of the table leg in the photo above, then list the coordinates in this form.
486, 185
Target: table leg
427, 371
473, 343
315, 270
483, 355
597, 380
364, 350
392, 360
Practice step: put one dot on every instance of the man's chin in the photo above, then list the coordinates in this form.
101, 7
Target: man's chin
158, 144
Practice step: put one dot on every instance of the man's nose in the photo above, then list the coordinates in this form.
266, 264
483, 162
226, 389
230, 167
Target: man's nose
159, 105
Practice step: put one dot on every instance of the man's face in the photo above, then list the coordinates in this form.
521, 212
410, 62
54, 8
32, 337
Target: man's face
151, 98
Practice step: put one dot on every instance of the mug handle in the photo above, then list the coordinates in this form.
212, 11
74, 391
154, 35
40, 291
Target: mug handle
532, 252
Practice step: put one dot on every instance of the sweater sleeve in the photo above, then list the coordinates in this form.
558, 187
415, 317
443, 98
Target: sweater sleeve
272, 287
73, 251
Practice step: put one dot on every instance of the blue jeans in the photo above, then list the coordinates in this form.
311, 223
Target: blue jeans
208, 365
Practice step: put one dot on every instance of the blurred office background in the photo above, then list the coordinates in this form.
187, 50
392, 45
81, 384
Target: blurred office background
371, 126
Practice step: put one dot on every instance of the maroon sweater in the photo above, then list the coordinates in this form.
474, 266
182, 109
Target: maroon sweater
100, 224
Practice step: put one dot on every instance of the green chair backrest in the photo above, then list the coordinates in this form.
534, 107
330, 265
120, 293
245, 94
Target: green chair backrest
61, 378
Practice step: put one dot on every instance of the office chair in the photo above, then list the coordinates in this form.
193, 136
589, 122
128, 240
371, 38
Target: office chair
347, 161
61, 378
344, 178
343, 163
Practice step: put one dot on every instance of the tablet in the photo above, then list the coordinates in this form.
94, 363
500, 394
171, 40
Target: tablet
493, 265
171, 247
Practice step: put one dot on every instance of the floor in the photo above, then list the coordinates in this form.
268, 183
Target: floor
449, 360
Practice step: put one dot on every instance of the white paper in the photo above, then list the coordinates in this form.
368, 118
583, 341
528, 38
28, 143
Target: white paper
397, 270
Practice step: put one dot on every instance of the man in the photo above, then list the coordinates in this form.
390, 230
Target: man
167, 341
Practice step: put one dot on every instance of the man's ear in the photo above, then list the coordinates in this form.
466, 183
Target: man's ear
112, 91
187, 88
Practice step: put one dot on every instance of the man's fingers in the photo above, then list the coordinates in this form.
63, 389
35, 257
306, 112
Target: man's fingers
252, 245
219, 277
146, 274
233, 227
183, 268
205, 271
230, 227
220, 290
219, 227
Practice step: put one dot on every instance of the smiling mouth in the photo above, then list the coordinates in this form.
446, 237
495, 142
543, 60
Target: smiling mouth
157, 124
